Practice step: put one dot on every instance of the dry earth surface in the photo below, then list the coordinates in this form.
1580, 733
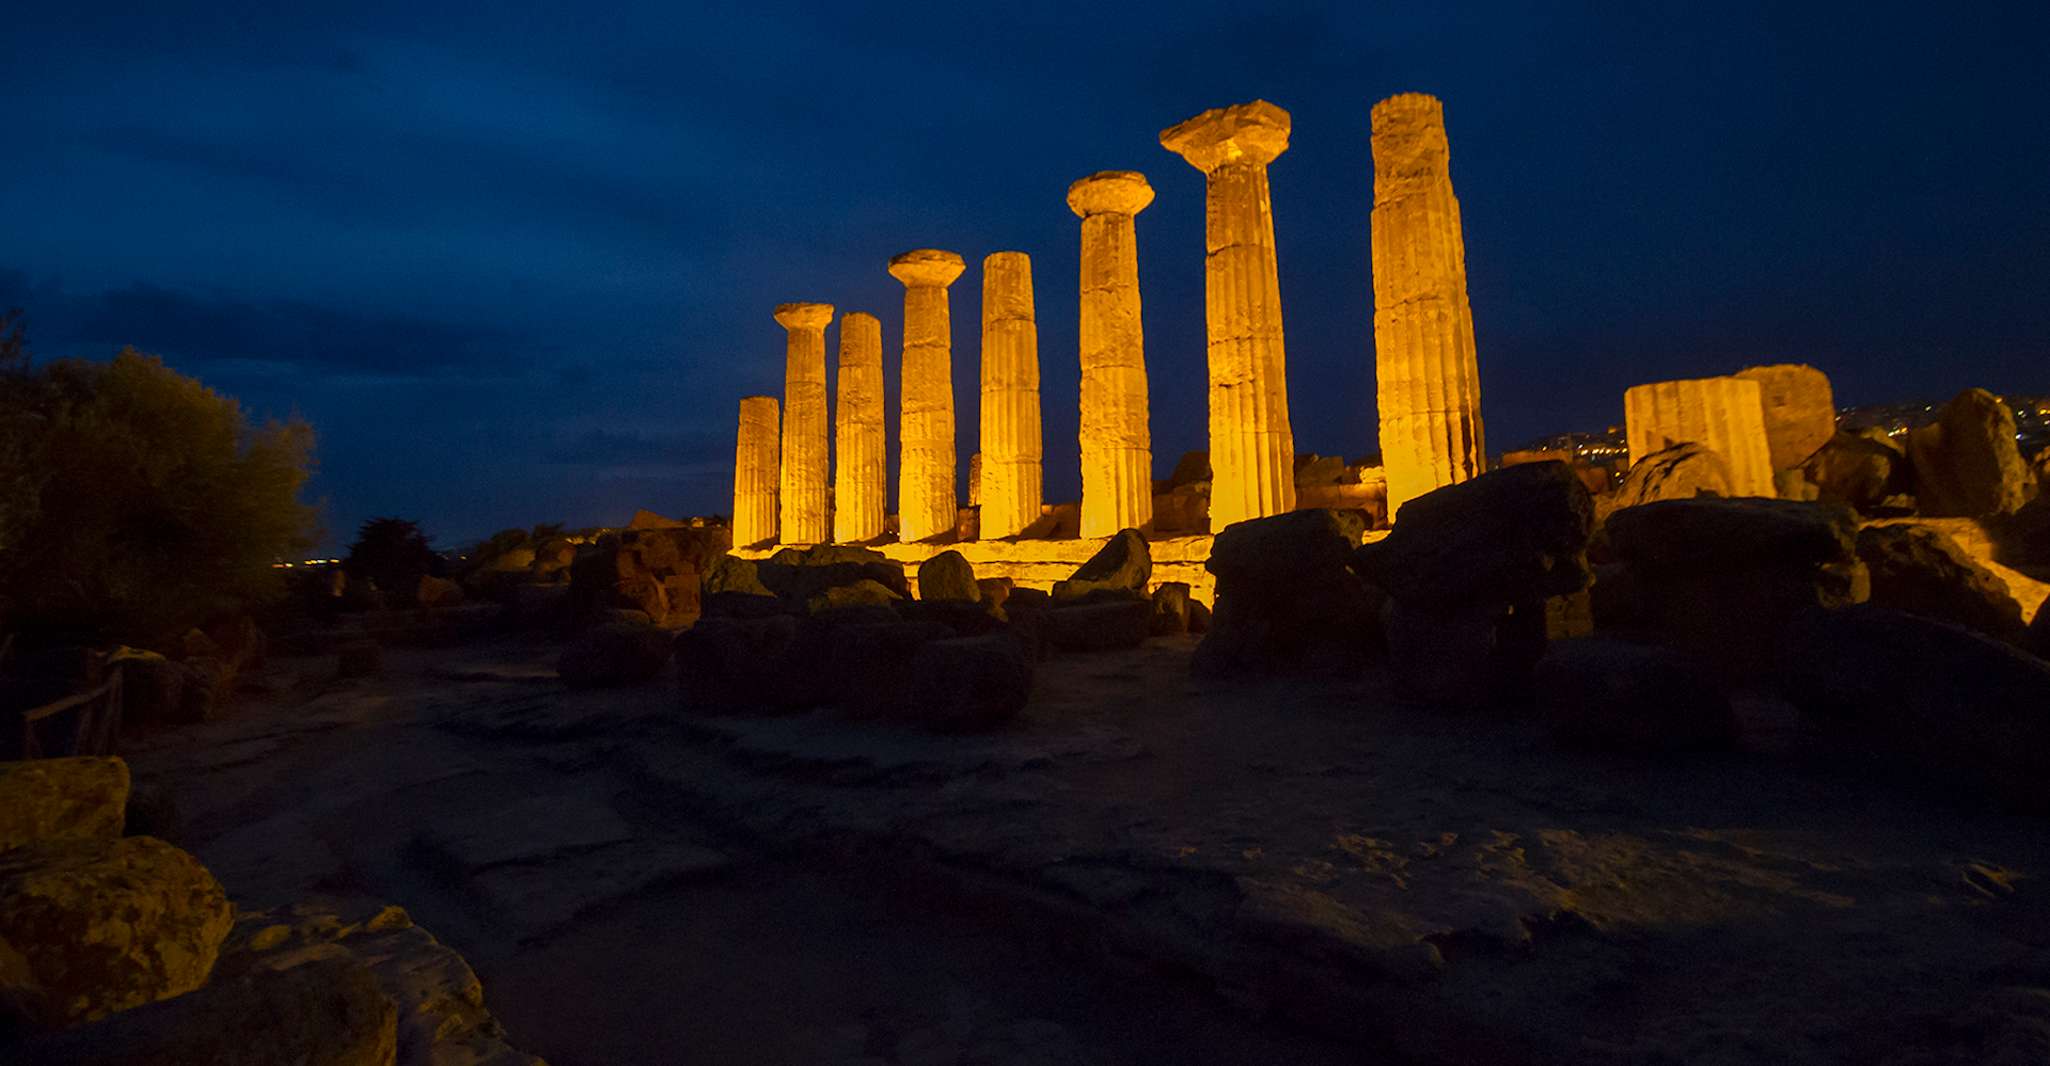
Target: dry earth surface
1144, 868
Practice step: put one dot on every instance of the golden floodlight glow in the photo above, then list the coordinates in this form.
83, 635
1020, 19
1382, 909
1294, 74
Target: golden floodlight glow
1252, 448
860, 490
925, 467
1012, 477
804, 423
755, 473
1116, 437
1427, 380
1723, 413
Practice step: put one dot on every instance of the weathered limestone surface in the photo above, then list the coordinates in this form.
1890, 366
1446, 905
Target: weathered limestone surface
925, 467
860, 488
756, 472
804, 423
1012, 480
1427, 379
1116, 437
1800, 410
61, 799
1252, 448
1966, 462
1724, 414
98, 926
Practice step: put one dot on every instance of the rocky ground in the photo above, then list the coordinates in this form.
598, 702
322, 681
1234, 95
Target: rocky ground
1144, 867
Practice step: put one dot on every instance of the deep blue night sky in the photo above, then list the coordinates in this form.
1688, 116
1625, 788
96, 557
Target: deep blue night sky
519, 267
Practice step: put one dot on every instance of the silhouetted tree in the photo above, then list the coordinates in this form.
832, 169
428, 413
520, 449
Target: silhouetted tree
394, 553
136, 502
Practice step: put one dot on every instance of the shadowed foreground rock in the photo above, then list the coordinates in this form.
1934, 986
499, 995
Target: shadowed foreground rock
1287, 597
1938, 700
1863, 468
1966, 462
1615, 695
61, 799
1923, 571
1722, 577
1124, 565
327, 1012
617, 653
98, 926
1681, 472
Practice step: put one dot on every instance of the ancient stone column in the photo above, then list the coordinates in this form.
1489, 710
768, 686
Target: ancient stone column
1800, 410
804, 423
1012, 481
925, 467
1116, 439
1720, 413
1252, 450
860, 466
1427, 381
755, 473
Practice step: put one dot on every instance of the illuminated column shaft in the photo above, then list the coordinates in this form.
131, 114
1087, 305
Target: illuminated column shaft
1012, 477
1116, 439
1252, 450
1720, 413
1428, 381
804, 423
860, 468
755, 473
925, 469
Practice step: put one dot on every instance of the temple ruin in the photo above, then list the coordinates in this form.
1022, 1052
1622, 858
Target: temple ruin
1009, 485
803, 479
1427, 379
755, 473
1252, 449
925, 472
860, 464
1116, 437
1724, 414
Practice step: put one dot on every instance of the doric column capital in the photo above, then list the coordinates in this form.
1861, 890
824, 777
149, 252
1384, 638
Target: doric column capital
927, 266
796, 316
1110, 192
1255, 132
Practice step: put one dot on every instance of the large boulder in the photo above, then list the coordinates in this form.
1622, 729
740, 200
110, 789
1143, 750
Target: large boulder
1287, 597
1800, 410
158, 691
868, 666
91, 927
964, 684
1680, 472
798, 574
1923, 571
1615, 695
1722, 577
1513, 535
654, 571
1863, 468
1966, 462
80, 798
1927, 696
614, 654
948, 576
431, 592
328, 1011
752, 665
1461, 657
1170, 609
1123, 565
1107, 623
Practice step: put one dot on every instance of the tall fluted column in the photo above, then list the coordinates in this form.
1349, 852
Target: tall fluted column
860, 465
1117, 442
755, 473
1252, 449
1428, 381
1012, 478
925, 467
804, 423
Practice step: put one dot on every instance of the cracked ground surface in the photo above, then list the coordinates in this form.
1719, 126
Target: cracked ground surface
1145, 867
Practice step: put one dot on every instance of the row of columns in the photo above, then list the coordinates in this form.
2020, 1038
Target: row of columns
1429, 391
